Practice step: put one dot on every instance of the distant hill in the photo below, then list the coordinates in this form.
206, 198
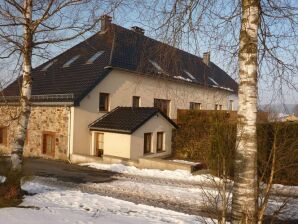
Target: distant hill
280, 108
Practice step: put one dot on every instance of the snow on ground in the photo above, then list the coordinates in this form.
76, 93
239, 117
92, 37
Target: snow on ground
165, 174
2, 179
185, 162
53, 205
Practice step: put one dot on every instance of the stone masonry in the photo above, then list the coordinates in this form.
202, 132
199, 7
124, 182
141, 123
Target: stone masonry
43, 119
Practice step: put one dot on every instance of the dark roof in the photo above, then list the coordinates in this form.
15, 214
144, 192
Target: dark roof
123, 49
126, 119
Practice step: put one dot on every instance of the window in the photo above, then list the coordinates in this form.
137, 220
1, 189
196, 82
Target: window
147, 143
103, 102
68, 63
99, 144
136, 101
195, 106
48, 143
94, 57
216, 107
220, 107
159, 146
3, 135
212, 80
157, 67
189, 75
231, 105
48, 65
163, 105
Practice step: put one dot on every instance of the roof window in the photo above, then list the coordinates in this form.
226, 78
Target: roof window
189, 75
68, 63
158, 68
94, 57
48, 65
212, 80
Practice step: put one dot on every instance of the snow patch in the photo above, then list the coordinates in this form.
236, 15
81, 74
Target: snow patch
182, 78
2, 179
166, 174
185, 162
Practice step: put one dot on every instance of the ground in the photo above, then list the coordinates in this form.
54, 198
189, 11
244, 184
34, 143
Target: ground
80, 194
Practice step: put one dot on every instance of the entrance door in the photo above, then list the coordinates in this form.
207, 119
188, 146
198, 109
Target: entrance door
99, 144
48, 143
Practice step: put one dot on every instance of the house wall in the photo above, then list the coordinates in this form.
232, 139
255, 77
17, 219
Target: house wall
123, 85
156, 124
42, 118
114, 144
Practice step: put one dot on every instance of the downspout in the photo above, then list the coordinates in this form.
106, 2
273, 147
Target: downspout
69, 133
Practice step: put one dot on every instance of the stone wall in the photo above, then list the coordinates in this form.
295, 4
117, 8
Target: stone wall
52, 119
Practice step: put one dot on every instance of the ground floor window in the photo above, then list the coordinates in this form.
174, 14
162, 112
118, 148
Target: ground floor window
3, 135
147, 143
99, 144
160, 145
48, 143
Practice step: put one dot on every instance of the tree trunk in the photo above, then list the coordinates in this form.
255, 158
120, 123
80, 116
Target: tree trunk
244, 203
25, 95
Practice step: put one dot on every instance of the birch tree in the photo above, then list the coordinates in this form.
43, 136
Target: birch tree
244, 203
28, 28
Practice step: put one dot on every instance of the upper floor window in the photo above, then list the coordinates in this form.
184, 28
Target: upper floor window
136, 101
3, 135
231, 105
103, 101
94, 57
195, 106
69, 62
163, 105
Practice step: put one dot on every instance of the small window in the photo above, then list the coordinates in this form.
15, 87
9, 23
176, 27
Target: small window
48, 143
216, 107
195, 106
147, 143
99, 144
68, 63
48, 65
94, 57
103, 102
3, 135
157, 67
220, 107
160, 145
136, 101
189, 75
212, 80
231, 105
163, 105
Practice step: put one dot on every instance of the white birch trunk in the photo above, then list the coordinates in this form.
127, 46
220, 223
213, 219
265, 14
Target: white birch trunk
25, 94
244, 203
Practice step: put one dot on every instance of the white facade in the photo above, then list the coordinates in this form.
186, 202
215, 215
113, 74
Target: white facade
131, 146
122, 86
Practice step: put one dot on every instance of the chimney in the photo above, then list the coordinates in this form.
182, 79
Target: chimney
105, 21
138, 30
206, 58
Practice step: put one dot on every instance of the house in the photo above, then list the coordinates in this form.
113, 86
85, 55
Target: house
288, 118
131, 132
116, 67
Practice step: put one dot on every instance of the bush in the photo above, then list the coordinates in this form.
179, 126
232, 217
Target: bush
210, 137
